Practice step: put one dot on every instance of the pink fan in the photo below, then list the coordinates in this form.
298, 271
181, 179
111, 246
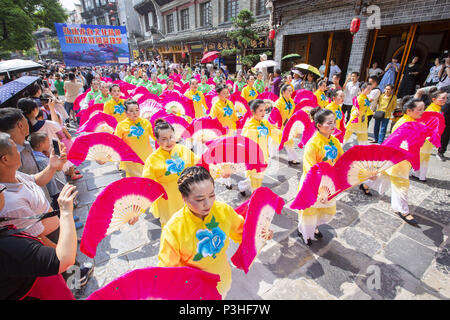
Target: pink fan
340, 134
91, 103
205, 129
157, 115
210, 81
410, 136
275, 118
300, 122
185, 87
319, 185
101, 146
161, 81
436, 122
306, 105
239, 102
160, 283
101, 122
149, 96
148, 108
305, 94
258, 212
211, 98
76, 102
139, 90
125, 86
119, 202
179, 124
88, 113
238, 152
179, 105
362, 162
106, 79
241, 122
169, 95
197, 77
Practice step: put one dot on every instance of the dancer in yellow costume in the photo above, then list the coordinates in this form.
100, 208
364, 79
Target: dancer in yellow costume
438, 98
115, 106
136, 132
399, 173
198, 235
337, 99
322, 98
286, 106
322, 147
198, 99
259, 130
358, 117
224, 109
165, 165
249, 92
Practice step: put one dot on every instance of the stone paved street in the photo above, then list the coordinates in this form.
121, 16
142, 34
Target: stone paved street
365, 239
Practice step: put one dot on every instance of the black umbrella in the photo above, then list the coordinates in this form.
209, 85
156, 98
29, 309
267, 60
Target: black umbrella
10, 92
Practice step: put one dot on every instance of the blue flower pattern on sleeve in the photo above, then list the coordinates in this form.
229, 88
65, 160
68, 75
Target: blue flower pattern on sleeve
136, 130
252, 93
331, 152
227, 111
338, 114
323, 97
119, 109
288, 106
175, 165
211, 240
366, 103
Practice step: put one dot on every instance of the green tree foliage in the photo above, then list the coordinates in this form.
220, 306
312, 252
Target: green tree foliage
20, 18
243, 33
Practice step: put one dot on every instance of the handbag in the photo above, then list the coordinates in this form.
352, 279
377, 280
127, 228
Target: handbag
378, 115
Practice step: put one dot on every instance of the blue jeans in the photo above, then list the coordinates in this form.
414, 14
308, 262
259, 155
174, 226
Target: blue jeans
380, 134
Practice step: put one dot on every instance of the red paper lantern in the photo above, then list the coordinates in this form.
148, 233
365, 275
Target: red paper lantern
354, 26
113, 19
111, 12
110, 4
183, 55
272, 34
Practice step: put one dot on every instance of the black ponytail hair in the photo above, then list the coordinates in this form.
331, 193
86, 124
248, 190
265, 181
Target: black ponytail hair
221, 87
410, 104
161, 124
130, 102
318, 115
254, 104
190, 176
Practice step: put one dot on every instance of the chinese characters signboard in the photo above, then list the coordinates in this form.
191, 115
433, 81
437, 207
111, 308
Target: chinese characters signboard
92, 45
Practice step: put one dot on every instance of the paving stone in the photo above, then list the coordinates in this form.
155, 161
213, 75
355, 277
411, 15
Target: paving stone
361, 241
232, 197
288, 189
285, 258
297, 289
409, 254
102, 181
393, 279
436, 211
345, 216
429, 234
378, 224
356, 199
333, 269
443, 259
282, 227
284, 173
143, 257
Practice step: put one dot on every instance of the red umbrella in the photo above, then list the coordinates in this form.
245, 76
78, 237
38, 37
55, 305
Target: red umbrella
210, 56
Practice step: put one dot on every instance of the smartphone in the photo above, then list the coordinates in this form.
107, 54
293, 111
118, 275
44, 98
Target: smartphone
56, 147
45, 83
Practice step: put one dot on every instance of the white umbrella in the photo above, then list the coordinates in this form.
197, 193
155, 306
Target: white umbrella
18, 65
173, 65
266, 64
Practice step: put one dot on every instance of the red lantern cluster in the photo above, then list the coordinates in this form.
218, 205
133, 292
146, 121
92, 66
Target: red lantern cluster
272, 34
354, 26
183, 55
111, 12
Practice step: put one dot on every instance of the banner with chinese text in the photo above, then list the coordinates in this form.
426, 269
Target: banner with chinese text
93, 45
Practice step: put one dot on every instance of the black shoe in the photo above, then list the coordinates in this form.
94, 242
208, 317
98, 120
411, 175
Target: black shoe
228, 187
293, 163
308, 243
243, 193
412, 222
366, 191
415, 178
373, 141
441, 157
318, 235
85, 273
